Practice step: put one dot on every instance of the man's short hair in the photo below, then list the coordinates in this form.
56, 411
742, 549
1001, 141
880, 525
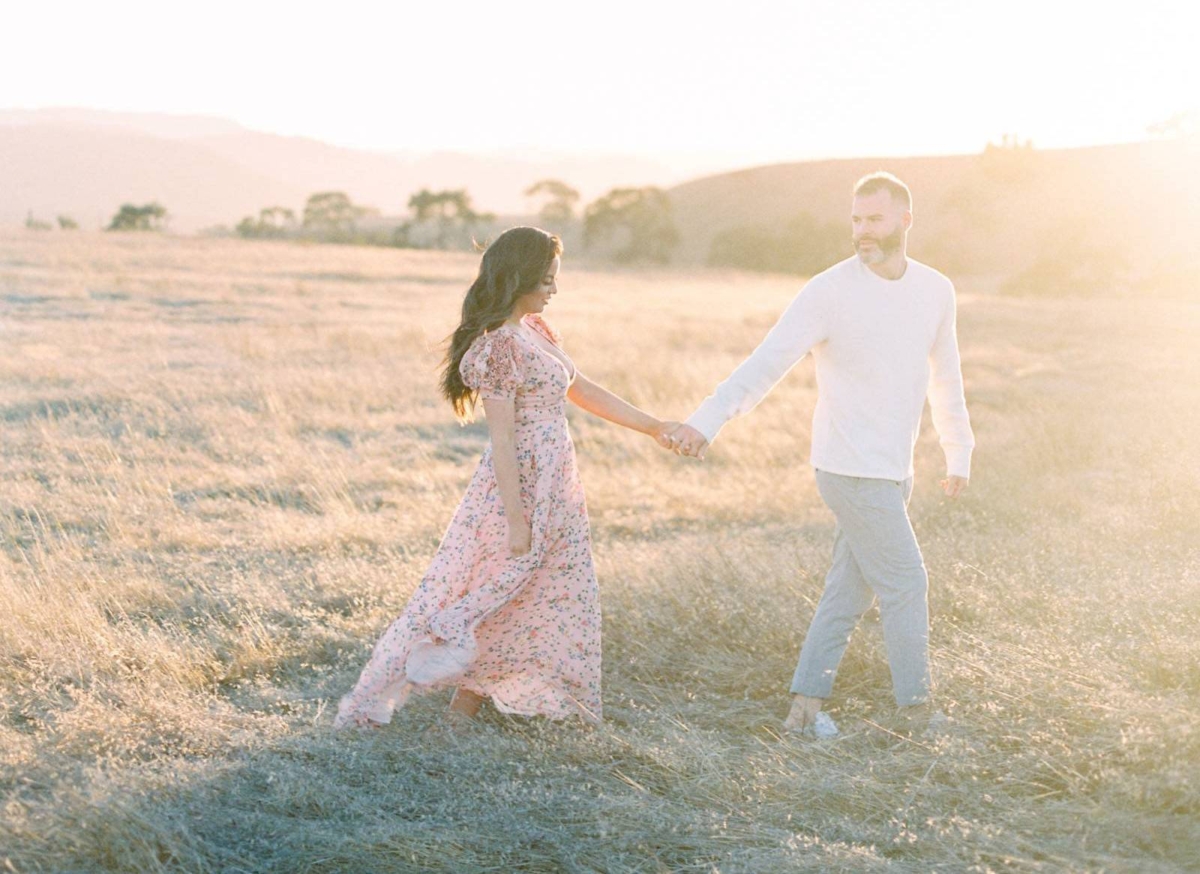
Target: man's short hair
882, 181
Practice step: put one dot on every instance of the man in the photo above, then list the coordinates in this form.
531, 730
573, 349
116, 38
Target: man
881, 328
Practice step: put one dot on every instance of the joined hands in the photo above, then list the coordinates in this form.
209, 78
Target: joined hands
681, 439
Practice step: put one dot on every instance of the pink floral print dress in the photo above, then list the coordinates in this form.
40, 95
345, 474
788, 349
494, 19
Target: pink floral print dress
523, 631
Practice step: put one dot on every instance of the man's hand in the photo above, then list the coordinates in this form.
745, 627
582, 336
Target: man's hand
954, 486
686, 440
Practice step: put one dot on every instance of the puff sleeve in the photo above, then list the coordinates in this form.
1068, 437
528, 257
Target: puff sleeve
493, 366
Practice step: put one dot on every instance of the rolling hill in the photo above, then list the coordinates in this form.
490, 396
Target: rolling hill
1128, 211
1087, 220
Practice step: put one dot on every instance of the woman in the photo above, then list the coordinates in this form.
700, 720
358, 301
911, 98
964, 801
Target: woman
509, 607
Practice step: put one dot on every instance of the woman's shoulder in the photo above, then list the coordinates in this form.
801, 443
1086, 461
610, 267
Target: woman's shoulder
494, 356
496, 341
544, 328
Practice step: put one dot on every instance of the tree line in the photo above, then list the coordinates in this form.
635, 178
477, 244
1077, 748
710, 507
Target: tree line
65, 223
626, 224
130, 217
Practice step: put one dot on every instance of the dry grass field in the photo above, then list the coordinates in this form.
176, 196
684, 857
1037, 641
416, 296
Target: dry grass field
225, 467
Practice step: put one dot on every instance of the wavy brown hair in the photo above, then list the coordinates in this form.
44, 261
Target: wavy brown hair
513, 265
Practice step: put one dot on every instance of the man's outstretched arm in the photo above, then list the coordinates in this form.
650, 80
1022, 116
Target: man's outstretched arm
804, 324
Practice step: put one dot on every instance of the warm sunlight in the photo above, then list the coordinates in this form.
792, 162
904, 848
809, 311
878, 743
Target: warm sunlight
648, 435
684, 82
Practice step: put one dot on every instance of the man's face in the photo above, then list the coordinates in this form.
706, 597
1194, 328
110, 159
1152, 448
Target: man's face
878, 224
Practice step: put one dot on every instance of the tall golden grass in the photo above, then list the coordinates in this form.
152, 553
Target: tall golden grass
225, 467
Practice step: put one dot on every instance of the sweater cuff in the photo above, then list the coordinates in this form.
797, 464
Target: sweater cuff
707, 422
958, 460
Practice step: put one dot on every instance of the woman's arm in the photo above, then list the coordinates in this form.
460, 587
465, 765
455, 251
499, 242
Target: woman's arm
501, 420
599, 401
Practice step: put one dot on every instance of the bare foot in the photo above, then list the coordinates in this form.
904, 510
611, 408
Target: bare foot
803, 713
465, 703
807, 719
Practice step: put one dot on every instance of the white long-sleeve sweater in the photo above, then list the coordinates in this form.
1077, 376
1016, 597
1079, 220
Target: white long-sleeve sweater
880, 347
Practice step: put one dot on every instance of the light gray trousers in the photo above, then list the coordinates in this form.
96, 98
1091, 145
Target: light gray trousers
875, 554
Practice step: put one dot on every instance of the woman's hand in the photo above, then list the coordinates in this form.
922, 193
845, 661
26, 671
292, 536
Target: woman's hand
520, 537
661, 432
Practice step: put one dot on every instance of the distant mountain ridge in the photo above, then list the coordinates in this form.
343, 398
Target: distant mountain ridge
210, 171
1117, 216
161, 124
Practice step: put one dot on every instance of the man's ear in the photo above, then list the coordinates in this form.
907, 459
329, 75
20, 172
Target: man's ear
907, 219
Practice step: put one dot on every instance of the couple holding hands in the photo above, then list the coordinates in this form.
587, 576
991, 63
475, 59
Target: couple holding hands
509, 608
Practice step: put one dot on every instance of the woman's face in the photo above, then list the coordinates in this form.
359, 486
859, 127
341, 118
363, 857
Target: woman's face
535, 301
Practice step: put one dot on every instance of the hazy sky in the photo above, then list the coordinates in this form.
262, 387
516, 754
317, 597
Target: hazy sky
727, 82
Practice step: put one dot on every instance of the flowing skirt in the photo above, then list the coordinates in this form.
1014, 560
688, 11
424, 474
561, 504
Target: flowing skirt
523, 631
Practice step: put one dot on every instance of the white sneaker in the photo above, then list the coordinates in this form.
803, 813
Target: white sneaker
822, 727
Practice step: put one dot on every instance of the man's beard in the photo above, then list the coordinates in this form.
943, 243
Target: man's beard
884, 248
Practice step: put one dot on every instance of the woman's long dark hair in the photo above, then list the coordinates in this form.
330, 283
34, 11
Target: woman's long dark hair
512, 266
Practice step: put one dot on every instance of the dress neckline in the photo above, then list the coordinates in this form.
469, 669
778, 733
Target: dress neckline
563, 360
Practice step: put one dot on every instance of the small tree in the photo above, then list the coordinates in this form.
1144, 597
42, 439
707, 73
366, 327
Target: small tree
438, 216
151, 217
330, 215
35, 224
272, 222
559, 207
1013, 160
66, 223
638, 220
1178, 126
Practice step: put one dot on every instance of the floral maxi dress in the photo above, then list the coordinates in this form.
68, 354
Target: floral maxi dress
523, 631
